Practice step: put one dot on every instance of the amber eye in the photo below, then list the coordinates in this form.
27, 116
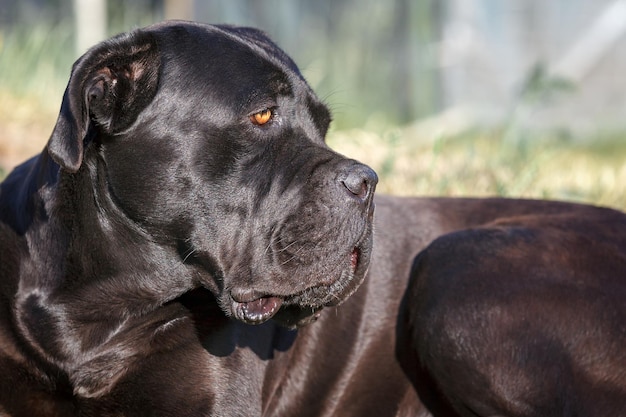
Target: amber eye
262, 117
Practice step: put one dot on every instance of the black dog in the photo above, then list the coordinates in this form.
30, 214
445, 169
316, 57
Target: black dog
185, 198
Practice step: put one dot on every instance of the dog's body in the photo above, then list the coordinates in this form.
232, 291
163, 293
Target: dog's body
523, 316
186, 197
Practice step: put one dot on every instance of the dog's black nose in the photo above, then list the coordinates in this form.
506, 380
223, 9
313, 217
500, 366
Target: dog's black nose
359, 180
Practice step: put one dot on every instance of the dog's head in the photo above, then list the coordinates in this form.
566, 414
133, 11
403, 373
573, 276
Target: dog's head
210, 141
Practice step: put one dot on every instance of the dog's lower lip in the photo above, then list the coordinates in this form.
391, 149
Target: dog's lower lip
256, 311
254, 308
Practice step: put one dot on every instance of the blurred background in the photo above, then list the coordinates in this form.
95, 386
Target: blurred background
521, 98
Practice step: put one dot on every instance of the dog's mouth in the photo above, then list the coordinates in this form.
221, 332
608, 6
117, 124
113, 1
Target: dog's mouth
303, 307
256, 311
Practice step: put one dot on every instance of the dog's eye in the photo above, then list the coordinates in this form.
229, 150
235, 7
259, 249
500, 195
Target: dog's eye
262, 117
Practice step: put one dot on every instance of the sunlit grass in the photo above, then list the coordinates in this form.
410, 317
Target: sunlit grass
35, 62
481, 163
476, 162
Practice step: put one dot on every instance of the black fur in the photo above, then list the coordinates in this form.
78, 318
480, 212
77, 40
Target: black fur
165, 253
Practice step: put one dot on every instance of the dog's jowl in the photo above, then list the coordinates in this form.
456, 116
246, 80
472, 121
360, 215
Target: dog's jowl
187, 245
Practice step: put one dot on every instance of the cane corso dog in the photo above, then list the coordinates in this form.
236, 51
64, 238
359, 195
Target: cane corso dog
187, 245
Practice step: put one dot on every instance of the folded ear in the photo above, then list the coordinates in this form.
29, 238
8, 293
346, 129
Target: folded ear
109, 86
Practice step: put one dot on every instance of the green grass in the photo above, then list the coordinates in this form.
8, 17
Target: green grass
36, 60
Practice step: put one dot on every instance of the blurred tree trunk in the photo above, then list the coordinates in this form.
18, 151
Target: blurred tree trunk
179, 9
90, 20
416, 83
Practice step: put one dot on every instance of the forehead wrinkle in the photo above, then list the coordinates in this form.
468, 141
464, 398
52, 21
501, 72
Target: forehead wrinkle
285, 64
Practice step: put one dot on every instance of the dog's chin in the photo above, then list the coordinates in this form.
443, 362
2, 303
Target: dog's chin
304, 307
295, 316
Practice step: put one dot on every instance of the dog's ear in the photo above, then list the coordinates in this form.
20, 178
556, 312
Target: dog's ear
109, 86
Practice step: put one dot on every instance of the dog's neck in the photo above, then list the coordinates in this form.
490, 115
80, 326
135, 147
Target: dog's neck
86, 274
21, 193
96, 249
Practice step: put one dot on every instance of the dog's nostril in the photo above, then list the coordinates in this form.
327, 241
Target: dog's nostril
359, 190
360, 181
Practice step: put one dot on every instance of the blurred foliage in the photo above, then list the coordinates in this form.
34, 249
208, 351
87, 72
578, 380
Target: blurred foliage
539, 86
35, 60
370, 88
363, 65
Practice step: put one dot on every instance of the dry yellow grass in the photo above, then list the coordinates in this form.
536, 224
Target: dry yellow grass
477, 163
25, 125
483, 164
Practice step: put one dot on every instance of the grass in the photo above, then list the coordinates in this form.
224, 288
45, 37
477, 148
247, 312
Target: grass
474, 162
35, 60
505, 161
479, 162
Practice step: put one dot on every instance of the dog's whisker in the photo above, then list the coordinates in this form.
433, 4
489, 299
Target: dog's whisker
288, 246
289, 260
191, 252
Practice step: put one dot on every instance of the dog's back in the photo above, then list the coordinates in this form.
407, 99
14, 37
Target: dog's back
524, 315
